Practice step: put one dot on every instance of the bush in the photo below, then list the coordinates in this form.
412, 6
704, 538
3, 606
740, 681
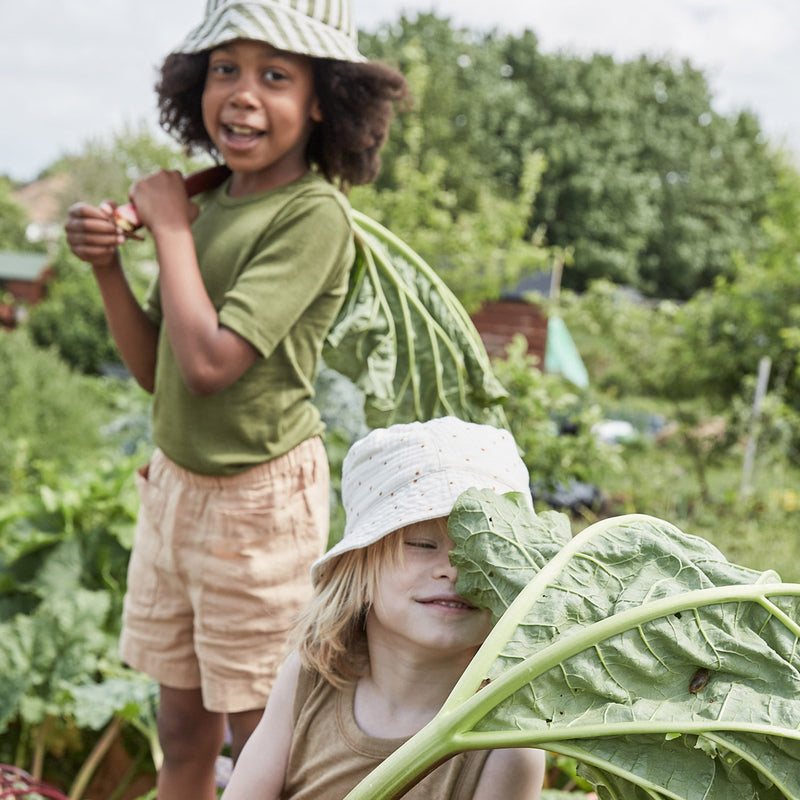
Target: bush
552, 422
48, 412
71, 319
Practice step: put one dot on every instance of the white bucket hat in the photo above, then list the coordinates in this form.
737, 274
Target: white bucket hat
409, 473
318, 28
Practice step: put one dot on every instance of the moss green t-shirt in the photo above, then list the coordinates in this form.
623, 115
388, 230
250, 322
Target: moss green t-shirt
276, 268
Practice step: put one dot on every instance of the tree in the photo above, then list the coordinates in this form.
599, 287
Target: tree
756, 312
644, 181
48, 412
650, 185
13, 221
451, 186
470, 119
71, 318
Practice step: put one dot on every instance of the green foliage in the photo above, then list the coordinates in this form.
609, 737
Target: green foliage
63, 559
471, 123
48, 412
644, 348
650, 186
74, 531
13, 221
61, 642
540, 408
755, 312
632, 647
448, 208
644, 181
700, 357
71, 318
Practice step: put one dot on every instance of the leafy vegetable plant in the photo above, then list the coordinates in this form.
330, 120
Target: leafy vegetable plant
639, 650
406, 341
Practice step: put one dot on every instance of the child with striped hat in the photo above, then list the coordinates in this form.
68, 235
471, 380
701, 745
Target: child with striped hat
251, 275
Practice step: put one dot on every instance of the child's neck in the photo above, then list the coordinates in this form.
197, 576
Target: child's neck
247, 183
400, 695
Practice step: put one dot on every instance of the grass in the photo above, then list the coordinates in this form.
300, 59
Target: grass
760, 530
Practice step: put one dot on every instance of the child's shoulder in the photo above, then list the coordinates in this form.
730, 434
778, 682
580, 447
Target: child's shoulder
314, 194
312, 184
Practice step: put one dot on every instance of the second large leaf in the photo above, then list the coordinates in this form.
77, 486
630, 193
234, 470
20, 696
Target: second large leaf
406, 341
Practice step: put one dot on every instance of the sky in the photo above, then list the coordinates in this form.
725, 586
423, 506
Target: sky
75, 70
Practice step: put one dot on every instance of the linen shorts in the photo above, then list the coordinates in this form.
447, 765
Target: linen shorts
219, 570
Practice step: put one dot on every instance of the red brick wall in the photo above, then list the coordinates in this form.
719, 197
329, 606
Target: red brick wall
26, 291
497, 323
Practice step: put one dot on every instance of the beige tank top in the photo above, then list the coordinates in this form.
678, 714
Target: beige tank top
330, 754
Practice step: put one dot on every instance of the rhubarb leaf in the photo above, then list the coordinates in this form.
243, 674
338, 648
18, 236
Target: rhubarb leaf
637, 649
406, 341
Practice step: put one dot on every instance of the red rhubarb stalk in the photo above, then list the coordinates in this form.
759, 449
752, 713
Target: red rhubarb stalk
127, 218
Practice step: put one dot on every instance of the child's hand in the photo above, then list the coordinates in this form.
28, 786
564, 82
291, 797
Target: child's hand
161, 201
92, 234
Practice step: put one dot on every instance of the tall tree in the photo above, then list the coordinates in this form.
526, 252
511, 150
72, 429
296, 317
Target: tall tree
650, 185
469, 112
459, 181
645, 181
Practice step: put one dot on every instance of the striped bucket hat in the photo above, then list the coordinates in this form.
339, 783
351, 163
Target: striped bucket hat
317, 28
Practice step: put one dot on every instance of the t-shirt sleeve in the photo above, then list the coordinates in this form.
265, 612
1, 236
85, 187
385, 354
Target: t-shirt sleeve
303, 255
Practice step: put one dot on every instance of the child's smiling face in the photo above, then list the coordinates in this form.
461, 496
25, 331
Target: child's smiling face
259, 107
416, 604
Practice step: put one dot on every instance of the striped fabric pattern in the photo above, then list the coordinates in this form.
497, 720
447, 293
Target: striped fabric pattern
319, 28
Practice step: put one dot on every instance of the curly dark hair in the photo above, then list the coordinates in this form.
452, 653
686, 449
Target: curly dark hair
357, 101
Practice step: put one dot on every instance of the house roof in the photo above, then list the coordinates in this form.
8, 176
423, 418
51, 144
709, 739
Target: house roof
16, 266
43, 199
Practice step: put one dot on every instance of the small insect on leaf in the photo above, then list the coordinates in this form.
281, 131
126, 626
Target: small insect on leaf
698, 680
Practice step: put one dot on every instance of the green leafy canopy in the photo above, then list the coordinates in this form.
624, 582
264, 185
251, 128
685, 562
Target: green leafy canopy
639, 650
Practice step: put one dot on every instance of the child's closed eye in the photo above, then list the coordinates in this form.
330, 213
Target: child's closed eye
429, 544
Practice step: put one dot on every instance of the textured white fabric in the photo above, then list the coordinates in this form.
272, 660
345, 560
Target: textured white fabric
403, 474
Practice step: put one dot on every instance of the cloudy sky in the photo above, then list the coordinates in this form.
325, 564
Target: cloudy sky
74, 69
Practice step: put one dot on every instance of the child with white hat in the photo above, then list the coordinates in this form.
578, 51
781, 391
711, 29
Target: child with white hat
235, 500
386, 636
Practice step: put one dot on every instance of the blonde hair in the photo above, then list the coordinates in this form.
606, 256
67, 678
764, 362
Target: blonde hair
331, 638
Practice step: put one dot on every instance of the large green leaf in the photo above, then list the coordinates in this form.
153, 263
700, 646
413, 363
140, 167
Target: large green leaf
405, 340
597, 654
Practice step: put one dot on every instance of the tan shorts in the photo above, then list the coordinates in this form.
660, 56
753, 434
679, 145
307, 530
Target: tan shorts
219, 570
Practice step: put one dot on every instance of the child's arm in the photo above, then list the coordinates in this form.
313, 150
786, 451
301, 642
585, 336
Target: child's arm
261, 769
515, 774
93, 237
211, 357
